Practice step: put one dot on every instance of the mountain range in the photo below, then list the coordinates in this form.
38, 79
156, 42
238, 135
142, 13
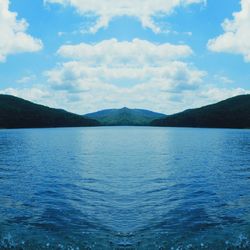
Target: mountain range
125, 117
231, 113
19, 113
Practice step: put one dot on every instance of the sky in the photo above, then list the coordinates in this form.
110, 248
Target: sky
88, 55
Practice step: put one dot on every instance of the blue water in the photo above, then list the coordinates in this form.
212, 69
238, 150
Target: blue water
124, 188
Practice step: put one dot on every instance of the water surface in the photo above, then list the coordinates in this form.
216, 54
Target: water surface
124, 188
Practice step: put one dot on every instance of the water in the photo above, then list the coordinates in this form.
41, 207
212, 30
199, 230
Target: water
124, 188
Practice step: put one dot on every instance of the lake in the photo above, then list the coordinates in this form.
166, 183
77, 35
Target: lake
125, 188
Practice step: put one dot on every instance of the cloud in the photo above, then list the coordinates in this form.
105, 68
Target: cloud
137, 74
14, 38
124, 63
236, 35
144, 11
115, 74
137, 52
76, 76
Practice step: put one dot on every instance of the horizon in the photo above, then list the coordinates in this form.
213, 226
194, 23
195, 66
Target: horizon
124, 124
129, 108
194, 53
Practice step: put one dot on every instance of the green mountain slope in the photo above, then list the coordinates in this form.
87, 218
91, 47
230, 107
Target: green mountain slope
231, 113
125, 117
19, 113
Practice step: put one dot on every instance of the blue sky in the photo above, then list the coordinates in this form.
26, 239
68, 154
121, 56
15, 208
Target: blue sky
162, 55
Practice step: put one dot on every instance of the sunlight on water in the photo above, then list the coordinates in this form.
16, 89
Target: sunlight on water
124, 188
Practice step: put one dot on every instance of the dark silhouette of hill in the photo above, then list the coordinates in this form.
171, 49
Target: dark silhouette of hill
230, 113
19, 113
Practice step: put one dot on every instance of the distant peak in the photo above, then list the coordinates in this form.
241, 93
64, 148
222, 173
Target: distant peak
124, 108
125, 116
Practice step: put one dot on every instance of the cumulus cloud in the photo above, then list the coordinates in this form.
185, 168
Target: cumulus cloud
14, 38
144, 11
236, 36
76, 76
137, 52
128, 63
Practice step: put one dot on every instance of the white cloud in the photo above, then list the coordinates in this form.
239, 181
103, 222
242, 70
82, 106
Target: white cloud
236, 35
115, 74
124, 63
137, 52
76, 76
145, 10
14, 38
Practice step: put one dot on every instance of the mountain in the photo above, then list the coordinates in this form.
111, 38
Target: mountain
19, 113
231, 113
125, 117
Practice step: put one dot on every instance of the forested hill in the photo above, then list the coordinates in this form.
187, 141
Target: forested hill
19, 113
125, 117
230, 113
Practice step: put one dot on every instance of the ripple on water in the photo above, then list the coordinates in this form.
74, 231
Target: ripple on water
124, 188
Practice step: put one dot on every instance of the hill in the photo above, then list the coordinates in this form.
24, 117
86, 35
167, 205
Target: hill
230, 113
125, 117
19, 113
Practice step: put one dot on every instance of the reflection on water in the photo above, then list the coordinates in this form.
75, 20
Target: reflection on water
125, 188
